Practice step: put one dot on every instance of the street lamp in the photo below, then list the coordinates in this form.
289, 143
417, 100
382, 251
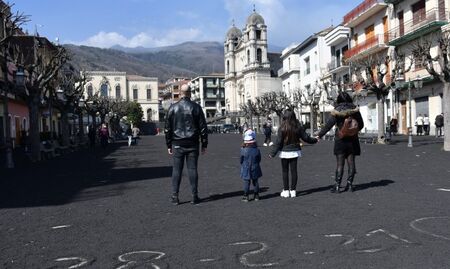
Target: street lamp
399, 83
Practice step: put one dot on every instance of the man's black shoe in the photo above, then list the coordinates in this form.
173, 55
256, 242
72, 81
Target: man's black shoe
195, 200
175, 200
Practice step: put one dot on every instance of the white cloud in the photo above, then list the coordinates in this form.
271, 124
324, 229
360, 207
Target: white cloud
171, 37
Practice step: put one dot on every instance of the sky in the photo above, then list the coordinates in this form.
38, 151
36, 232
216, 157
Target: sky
155, 23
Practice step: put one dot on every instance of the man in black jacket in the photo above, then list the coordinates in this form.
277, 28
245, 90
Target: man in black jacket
185, 129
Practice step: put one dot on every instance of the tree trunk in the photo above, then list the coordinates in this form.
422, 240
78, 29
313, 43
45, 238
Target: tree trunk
381, 135
80, 126
35, 140
446, 110
311, 121
65, 136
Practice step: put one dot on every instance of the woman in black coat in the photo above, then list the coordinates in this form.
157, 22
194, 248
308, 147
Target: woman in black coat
345, 148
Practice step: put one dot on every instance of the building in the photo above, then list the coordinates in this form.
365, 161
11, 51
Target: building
410, 21
209, 92
248, 70
369, 24
171, 92
304, 65
119, 85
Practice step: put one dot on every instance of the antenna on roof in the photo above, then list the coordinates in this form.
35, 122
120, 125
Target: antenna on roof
331, 22
232, 22
254, 8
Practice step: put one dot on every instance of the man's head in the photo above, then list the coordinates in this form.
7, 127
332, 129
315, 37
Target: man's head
185, 90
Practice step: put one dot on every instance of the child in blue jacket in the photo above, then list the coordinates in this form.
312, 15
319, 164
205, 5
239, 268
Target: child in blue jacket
250, 168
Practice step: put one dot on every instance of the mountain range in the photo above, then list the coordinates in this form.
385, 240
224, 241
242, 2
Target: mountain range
188, 59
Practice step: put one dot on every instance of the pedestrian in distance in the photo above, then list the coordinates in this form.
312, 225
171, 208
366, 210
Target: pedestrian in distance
185, 131
393, 126
348, 121
129, 134
419, 124
135, 132
267, 129
250, 168
103, 133
426, 124
439, 122
287, 144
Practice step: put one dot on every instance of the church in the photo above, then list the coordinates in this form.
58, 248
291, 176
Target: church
250, 70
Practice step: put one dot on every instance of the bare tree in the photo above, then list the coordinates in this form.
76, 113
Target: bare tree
277, 102
423, 56
41, 60
371, 72
11, 24
65, 92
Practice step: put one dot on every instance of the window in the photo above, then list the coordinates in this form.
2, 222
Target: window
418, 10
149, 94
307, 66
289, 86
104, 90
90, 90
135, 94
248, 56
258, 34
228, 67
118, 92
289, 63
259, 55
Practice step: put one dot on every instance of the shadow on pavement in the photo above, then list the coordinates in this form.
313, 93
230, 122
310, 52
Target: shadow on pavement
226, 195
78, 176
373, 184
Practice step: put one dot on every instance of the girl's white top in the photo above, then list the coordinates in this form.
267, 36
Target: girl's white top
290, 154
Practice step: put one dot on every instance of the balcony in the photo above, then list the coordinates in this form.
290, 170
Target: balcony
433, 20
369, 46
256, 65
394, 2
337, 36
336, 66
285, 71
363, 11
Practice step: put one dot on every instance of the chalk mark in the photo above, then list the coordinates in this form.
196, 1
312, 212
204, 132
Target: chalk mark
413, 224
442, 189
350, 239
244, 257
82, 261
391, 235
60, 227
132, 262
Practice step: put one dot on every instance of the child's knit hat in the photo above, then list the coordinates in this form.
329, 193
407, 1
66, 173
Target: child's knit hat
249, 136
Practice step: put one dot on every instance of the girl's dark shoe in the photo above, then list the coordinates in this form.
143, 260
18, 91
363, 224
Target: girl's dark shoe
245, 198
256, 197
175, 200
195, 200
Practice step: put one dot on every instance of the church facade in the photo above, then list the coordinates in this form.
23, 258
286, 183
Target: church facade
249, 67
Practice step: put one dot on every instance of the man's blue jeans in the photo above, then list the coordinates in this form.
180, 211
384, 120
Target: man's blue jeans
189, 154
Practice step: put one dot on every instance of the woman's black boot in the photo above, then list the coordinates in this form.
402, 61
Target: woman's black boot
349, 186
337, 185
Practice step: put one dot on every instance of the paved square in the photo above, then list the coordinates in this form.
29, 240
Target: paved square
111, 209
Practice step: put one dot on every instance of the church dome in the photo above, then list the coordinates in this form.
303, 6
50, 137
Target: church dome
255, 19
234, 33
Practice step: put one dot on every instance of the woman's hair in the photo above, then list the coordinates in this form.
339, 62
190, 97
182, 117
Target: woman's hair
343, 97
289, 127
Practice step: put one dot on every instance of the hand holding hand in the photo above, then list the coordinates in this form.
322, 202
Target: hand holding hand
203, 151
169, 150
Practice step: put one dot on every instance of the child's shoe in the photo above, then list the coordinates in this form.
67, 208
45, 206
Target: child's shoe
271, 143
293, 193
284, 194
265, 144
245, 198
256, 197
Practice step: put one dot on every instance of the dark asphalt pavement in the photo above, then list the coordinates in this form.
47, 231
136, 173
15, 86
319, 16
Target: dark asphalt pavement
111, 209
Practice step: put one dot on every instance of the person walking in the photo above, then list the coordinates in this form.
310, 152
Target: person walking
288, 144
103, 133
393, 126
426, 124
129, 134
439, 122
185, 129
135, 132
348, 121
267, 129
419, 124
250, 168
